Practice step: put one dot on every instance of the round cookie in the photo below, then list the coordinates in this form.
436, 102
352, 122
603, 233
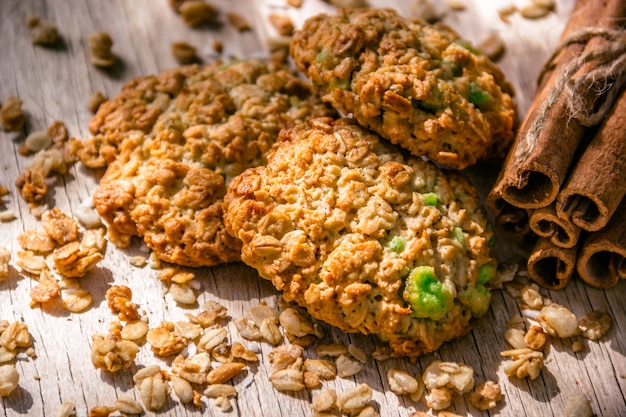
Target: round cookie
365, 238
418, 85
174, 141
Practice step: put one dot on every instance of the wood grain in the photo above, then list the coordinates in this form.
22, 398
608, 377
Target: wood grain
56, 84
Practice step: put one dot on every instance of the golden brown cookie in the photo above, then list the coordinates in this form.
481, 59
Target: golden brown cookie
174, 141
363, 237
418, 85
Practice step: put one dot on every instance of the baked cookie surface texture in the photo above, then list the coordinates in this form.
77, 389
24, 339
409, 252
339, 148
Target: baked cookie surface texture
364, 238
173, 142
418, 85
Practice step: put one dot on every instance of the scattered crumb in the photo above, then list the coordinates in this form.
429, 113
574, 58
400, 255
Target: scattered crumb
282, 23
100, 54
197, 12
184, 53
12, 115
95, 101
42, 32
238, 21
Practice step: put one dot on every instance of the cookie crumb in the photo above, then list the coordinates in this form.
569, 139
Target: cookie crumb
95, 101
42, 32
100, 54
238, 21
12, 115
184, 53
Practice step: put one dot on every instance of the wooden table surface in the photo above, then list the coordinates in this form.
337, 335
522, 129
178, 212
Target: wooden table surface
55, 84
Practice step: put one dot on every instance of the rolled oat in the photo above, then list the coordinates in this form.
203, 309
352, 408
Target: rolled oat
282, 23
558, 320
9, 380
111, 354
578, 405
42, 32
324, 401
595, 324
5, 258
197, 12
153, 390
36, 241
95, 101
76, 301
11, 114
322, 368
127, 405
66, 409
212, 337
101, 411
119, 301
524, 363
220, 390
401, 382
164, 340
238, 21
37, 141
225, 372
15, 335
182, 388
134, 330
184, 53
439, 398
485, 396
287, 379
100, 53
355, 399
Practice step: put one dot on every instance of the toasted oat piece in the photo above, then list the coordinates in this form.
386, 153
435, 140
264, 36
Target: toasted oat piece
418, 85
175, 140
364, 238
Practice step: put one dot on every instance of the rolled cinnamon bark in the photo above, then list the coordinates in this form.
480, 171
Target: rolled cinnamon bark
551, 266
546, 143
602, 260
508, 219
597, 183
561, 232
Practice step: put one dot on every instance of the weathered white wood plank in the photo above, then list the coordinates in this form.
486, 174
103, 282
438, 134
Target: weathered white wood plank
55, 85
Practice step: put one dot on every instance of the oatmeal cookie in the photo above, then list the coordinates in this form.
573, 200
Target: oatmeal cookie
174, 141
418, 85
363, 237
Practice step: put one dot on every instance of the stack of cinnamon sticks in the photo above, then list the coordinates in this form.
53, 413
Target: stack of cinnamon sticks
564, 179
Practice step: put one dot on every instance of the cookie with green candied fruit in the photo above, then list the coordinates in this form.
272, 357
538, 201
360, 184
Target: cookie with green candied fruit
173, 141
421, 86
364, 236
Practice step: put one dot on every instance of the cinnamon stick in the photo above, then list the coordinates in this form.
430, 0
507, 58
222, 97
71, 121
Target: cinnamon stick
546, 143
597, 183
546, 223
602, 259
551, 266
508, 219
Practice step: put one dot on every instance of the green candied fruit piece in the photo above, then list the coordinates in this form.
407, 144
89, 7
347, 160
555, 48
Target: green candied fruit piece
397, 244
324, 57
431, 199
451, 68
467, 45
428, 297
486, 272
477, 299
477, 95
457, 234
